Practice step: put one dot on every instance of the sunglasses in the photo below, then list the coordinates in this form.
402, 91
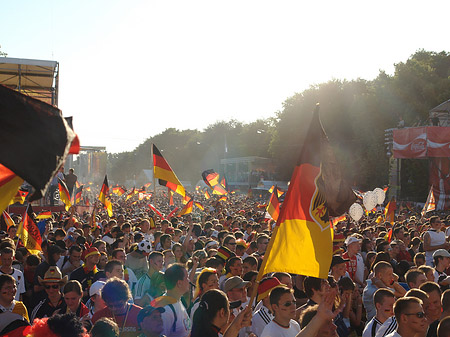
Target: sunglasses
53, 286
419, 314
288, 304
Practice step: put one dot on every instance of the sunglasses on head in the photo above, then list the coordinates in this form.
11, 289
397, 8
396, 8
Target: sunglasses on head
419, 314
288, 304
55, 286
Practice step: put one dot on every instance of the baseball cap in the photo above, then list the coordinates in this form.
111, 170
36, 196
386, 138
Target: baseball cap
96, 288
147, 311
351, 239
441, 252
266, 286
235, 282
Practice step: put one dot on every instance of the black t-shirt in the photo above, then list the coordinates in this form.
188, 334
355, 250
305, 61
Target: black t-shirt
86, 278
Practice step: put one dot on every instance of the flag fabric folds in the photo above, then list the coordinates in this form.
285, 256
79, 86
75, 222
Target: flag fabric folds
199, 205
64, 194
210, 177
389, 211
8, 220
302, 239
78, 193
105, 198
19, 197
207, 195
29, 233
273, 208
187, 208
9, 186
44, 215
219, 190
118, 190
430, 205
165, 174
23, 144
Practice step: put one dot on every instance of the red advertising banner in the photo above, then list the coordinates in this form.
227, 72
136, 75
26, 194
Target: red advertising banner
410, 143
422, 142
438, 141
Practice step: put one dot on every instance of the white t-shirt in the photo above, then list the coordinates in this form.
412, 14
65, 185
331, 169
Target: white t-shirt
394, 334
273, 329
371, 328
260, 319
20, 282
183, 323
389, 326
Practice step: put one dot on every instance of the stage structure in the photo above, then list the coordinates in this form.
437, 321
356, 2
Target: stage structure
35, 78
430, 143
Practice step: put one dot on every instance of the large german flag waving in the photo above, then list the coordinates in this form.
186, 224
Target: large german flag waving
64, 194
33, 155
165, 174
105, 198
302, 240
210, 177
29, 233
273, 208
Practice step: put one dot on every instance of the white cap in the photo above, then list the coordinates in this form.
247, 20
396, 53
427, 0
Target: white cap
350, 240
96, 288
215, 234
441, 252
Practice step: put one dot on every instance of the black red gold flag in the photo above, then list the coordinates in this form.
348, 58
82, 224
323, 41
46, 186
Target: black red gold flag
64, 194
29, 233
210, 178
187, 208
302, 242
105, 198
34, 140
273, 208
164, 173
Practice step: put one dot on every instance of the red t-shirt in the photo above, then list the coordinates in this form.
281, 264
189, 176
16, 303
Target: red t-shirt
130, 328
351, 265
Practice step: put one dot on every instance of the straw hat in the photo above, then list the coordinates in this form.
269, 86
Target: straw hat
53, 275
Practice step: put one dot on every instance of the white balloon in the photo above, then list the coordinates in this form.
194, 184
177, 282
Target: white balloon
356, 211
380, 195
370, 200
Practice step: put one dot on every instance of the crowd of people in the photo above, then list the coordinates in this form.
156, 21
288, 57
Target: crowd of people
143, 274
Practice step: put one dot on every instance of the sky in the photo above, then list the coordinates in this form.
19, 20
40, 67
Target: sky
131, 69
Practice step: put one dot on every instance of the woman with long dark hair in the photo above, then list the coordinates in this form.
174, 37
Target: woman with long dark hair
213, 314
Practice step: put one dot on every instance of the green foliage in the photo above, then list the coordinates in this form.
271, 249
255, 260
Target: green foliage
354, 115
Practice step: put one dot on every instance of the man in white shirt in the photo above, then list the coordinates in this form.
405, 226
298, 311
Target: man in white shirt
282, 302
7, 257
384, 300
263, 315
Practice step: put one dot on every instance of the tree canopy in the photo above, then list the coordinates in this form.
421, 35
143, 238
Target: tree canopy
354, 115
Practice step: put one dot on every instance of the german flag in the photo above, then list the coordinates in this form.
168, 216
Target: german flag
187, 208
186, 199
8, 220
88, 189
118, 190
224, 183
389, 211
335, 221
19, 197
24, 147
29, 233
44, 215
199, 205
273, 208
430, 205
302, 242
164, 173
223, 198
388, 236
170, 197
64, 194
279, 192
147, 185
219, 190
207, 196
131, 194
78, 193
210, 177
105, 198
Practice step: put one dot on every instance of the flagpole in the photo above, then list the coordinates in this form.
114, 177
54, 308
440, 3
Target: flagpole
154, 180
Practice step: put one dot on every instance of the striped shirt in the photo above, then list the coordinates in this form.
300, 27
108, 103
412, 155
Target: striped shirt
260, 319
371, 328
389, 326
